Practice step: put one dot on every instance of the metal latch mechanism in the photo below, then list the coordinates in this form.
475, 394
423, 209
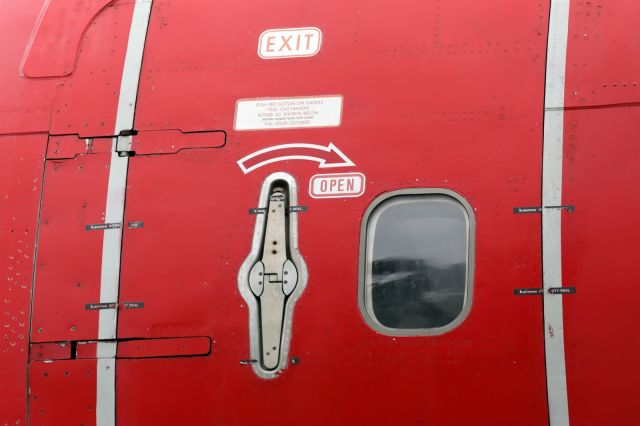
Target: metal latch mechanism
273, 278
274, 275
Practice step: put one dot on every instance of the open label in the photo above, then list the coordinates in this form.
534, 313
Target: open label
337, 185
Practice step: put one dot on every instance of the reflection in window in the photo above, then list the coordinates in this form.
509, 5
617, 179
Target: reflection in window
417, 250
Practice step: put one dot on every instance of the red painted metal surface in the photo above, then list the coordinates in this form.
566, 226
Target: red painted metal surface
87, 350
85, 103
62, 393
26, 103
178, 294
50, 351
154, 348
194, 85
58, 37
601, 176
179, 382
68, 146
69, 256
600, 255
603, 65
151, 348
21, 163
172, 141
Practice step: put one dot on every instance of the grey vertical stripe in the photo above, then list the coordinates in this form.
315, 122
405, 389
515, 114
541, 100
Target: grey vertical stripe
132, 65
551, 218
114, 213
111, 244
106, 377
106, 397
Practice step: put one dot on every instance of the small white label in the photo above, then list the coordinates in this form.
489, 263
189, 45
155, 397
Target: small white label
288, 113
289, 43
337, 185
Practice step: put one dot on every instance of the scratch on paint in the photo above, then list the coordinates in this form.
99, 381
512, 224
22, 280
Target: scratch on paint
550, 330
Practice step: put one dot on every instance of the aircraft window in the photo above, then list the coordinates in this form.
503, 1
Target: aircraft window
417, 262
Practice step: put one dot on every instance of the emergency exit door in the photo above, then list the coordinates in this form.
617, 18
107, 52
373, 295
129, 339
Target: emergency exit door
197, 213
415, 111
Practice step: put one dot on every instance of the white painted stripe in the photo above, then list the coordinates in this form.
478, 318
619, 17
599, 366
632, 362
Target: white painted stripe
114, 213
132, 66
551, 218
111, 244
106, 398
106, 349
556, 54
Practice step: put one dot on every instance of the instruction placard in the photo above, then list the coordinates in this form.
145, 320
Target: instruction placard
288, 113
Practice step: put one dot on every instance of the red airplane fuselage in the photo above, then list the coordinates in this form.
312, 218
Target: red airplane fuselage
301, 212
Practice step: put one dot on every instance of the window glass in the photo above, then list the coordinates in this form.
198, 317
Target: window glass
417, 261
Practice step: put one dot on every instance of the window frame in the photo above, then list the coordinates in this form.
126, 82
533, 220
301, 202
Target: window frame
364, 293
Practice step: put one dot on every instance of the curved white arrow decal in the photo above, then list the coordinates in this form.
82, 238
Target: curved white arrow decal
327, 156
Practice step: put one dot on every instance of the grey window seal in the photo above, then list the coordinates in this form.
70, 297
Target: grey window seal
366, 310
